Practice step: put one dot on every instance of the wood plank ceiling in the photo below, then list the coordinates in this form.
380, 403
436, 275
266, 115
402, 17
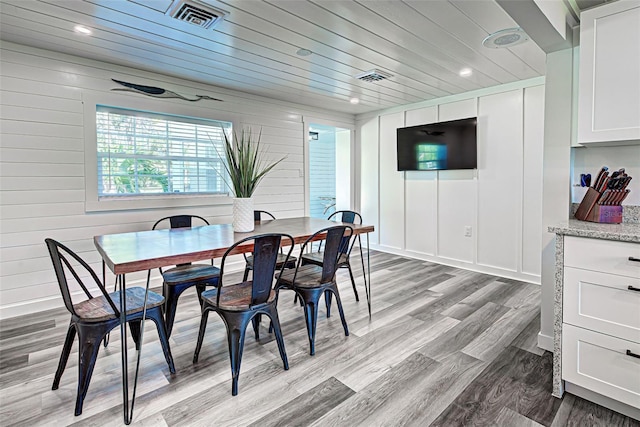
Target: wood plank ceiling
423, 44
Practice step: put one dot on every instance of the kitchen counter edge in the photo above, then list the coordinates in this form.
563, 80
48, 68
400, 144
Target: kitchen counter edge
625, 232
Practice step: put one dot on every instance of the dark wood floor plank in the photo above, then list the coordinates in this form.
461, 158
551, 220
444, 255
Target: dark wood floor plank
308, 407
528, 338
577, 412
516, 379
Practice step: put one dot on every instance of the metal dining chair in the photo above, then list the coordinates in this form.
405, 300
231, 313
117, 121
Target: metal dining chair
281, 261
311, 281
240, 303
178, 279
93, 317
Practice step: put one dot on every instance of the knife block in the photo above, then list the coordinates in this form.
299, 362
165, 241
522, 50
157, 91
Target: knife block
589, 210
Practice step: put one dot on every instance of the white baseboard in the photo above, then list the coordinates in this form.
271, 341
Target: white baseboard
545, 342
465, 265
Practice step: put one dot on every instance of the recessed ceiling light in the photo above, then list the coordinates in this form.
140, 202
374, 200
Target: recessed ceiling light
303, 52
466, 72
354, 101
505, 38
82, 30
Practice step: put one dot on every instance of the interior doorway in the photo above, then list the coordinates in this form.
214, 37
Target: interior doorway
329, 170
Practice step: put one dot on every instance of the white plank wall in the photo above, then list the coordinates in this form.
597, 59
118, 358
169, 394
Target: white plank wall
501, 200
421, 196
42, 163
391, 184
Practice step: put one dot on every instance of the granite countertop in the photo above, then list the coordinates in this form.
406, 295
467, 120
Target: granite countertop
625, 232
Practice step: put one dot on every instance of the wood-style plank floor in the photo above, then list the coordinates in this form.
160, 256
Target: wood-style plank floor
445, 347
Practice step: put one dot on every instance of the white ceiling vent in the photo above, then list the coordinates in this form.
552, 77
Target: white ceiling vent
373, 76
196, 13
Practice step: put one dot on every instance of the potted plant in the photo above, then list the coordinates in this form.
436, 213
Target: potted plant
246, 166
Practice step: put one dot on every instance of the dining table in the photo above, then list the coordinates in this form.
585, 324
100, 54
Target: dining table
131, 252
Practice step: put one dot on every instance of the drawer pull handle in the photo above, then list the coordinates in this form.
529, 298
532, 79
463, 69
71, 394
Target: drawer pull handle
634, 259
632, 354
631, 288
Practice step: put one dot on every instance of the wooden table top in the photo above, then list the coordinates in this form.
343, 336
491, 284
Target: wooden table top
144, 250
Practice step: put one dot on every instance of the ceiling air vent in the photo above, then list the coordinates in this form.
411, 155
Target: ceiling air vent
196, 13
373, 76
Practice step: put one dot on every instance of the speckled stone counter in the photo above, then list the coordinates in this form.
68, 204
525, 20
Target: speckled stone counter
625, 232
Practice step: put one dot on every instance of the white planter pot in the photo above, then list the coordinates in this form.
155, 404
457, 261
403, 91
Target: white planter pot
243, 215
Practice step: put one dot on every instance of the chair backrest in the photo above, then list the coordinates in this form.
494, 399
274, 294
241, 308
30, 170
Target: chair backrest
180, 221
61, 256
265, 255
257, 215
332, 243
350, 217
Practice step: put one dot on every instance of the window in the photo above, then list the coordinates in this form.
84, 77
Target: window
145, 154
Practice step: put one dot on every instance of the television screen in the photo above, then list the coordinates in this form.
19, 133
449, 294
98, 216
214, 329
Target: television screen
438, 146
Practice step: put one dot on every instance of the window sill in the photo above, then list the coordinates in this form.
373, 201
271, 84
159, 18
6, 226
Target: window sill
155, 202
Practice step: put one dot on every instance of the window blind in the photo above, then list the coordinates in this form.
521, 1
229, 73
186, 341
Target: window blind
143, 153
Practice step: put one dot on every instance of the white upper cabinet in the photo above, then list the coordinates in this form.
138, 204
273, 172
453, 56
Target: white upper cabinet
609, 87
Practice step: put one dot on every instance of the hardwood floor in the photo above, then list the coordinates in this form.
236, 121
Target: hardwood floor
445, 347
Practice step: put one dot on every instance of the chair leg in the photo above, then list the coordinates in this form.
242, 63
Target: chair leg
256, 325
334, 290
353, 282
275, 324
327, 302
64, 357
236, 324
89, 338
156, 315
246, 274
203, 327
200, 288
134, 326
311, 298
171, 295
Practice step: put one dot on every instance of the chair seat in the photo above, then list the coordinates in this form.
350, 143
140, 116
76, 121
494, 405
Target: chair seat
280, 260
234, 297
190, 273
317, 258
309, 276
98, 309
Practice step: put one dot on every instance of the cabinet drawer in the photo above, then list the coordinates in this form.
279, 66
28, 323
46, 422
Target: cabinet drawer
602, 302
602, 255
599, 363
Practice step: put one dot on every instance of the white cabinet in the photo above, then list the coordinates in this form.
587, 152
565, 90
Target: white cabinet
601, 317
609, 84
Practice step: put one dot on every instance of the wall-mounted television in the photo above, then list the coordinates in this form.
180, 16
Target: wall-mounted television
438, 146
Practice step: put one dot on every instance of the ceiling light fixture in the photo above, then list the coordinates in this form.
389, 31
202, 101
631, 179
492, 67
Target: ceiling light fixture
465, 72
354, 101
505, 38
303, 52
82, 30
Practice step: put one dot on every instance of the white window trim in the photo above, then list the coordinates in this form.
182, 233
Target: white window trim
138, 102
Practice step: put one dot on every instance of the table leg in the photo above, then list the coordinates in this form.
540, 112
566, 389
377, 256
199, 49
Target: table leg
367, 283
128, 411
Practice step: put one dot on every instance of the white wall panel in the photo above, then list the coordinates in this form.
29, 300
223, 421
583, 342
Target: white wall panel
367, 136
500, 166
391, 184
421, 196
532, 184
457, 194
43, 97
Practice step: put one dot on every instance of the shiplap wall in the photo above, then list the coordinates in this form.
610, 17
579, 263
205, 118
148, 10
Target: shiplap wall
424, 214
42, 162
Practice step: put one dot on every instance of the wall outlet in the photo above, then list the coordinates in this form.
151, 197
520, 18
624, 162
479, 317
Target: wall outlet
467, 231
